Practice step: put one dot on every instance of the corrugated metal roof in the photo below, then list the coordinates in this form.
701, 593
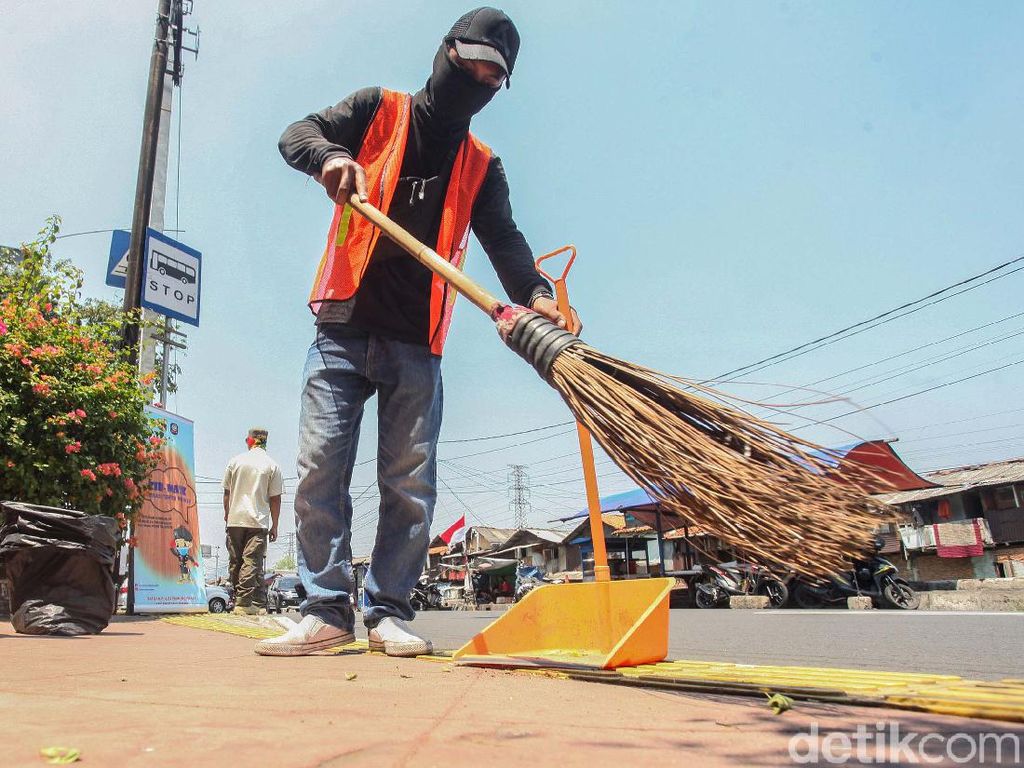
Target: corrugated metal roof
634, 530
492, 536
906, 497
531, 537
997, 473
958, 479
681, 533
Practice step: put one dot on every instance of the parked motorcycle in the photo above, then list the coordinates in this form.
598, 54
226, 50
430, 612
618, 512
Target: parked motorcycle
528, 578
876, 578
715, 584
481, 592
426, 595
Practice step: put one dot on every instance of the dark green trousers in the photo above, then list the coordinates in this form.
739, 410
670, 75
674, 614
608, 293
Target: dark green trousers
247, 549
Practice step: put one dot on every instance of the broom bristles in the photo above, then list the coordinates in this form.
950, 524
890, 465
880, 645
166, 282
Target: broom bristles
761, 490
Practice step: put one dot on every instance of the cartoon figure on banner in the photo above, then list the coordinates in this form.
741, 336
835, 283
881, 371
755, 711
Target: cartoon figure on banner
171, 496
182, 550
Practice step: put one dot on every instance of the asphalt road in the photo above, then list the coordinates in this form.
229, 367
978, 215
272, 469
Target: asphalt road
977, 645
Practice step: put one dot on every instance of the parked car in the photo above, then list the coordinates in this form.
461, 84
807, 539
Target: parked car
286, 592
218, 599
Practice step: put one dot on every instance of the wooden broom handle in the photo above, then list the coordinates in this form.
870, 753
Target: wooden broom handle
428, 257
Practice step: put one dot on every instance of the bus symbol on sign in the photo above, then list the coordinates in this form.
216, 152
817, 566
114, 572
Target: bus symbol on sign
167, 266
173, 278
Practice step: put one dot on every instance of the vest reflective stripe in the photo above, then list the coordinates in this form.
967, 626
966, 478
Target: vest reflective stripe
468, 174
351, 237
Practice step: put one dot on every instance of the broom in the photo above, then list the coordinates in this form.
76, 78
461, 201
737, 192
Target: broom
769, 494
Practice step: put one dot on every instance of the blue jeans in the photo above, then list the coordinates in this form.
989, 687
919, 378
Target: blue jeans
344, 367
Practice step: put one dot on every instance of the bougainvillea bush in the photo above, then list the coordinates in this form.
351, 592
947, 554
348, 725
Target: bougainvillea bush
73, 432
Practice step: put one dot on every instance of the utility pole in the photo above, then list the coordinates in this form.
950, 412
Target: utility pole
144, 184
149, 196
169, 38
519, 494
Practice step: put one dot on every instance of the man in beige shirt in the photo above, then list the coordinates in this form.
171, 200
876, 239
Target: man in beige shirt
252, 506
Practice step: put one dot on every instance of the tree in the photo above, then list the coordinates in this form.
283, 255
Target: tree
286, 563
73, 431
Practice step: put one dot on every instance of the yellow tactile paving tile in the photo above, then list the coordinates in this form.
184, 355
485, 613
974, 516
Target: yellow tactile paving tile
939, 694
246, 627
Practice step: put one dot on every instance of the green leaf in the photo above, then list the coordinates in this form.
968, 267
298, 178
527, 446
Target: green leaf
779, 703
60, 755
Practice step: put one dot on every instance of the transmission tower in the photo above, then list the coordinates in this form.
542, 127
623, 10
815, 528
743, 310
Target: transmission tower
519, 494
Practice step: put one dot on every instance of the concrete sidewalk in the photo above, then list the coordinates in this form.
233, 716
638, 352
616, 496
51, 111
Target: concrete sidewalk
146, 693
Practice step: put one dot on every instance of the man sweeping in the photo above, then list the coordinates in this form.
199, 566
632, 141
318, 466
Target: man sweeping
382, 319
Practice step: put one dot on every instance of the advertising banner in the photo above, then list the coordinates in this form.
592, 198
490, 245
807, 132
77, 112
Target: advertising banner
169, 569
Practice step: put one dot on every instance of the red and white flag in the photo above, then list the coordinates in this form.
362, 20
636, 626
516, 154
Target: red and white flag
456, 533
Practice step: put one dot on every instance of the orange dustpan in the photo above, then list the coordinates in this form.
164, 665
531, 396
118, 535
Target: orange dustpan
604, 624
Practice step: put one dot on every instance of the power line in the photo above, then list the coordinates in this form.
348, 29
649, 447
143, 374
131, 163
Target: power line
907, 397
890, 374
962, 421
508, 447
506, 434
960, 434
871, 322
902, 354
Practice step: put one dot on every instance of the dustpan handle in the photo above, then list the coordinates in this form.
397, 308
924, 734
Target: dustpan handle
429, 258
601, 570
561, 291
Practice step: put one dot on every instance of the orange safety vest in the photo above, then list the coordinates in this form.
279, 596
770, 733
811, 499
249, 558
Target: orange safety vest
351, 238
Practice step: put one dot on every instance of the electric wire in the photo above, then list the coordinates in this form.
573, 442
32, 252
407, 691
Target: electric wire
869, 323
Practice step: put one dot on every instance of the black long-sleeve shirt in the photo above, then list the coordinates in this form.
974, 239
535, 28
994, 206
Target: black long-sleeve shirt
394, 295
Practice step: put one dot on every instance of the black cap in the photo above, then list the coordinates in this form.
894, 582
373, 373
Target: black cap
486, 27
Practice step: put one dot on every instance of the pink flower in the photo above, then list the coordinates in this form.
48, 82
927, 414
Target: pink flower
74, 447
112, 414
109, 492
48, 307
3, 328
154, 440
88, 474
80, 413
42, 389
113, 468
45, 351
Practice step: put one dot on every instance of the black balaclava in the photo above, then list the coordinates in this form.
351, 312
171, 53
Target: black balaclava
453, 93
451, 96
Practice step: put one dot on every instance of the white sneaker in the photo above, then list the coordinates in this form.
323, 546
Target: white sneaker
308, 636
394, 637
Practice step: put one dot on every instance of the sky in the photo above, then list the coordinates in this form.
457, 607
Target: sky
739, 178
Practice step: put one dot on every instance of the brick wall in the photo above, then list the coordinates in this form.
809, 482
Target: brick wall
935, 568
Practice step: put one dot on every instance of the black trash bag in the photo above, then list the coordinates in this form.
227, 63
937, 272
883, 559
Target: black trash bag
60, 567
